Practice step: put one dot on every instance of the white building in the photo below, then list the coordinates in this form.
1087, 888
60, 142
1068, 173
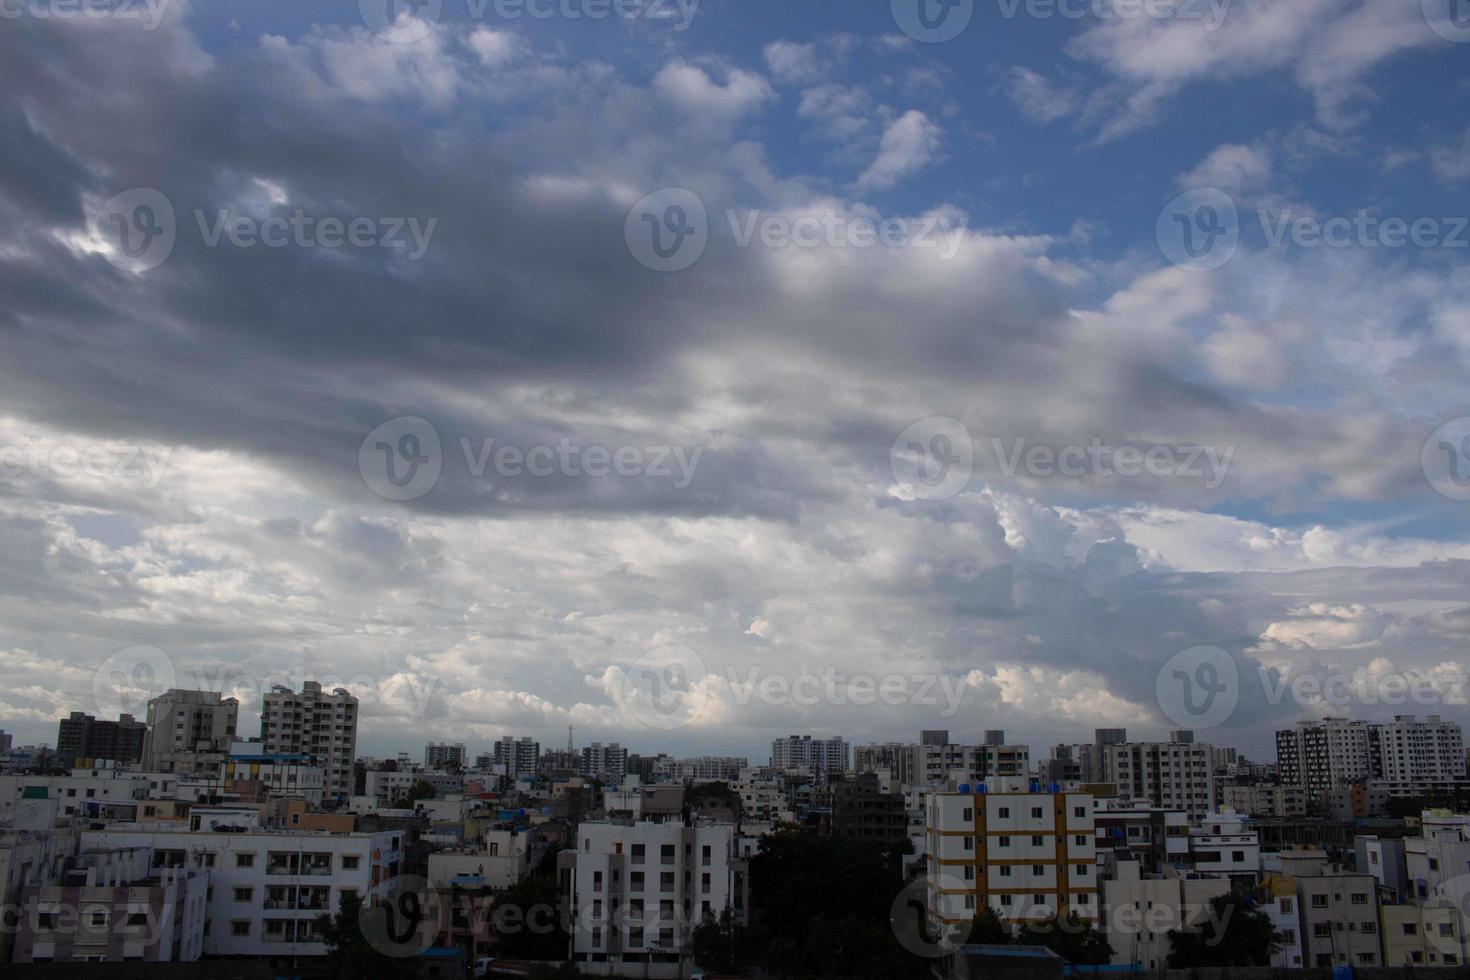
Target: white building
1223, 845
1279, 903
1265, 799
1322, 755
268, 887
818, 756
75, 790
1176, 775
1140, 910
182, 724
608, 763
634, 893
311, 723
1414, 757
520, 756
1025, 855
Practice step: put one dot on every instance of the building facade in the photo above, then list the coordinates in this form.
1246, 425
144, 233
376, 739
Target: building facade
315, 724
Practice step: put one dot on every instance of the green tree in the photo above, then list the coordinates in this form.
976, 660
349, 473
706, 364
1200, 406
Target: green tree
421, 790
527, 920
349, 951
717, 944
988, 930
1072, 939
1234, 934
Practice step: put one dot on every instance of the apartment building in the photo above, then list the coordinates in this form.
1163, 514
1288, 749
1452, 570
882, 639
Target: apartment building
1026, 855
633, 894
1222, 845
1320, 755
1276, 898
114, 907
819, 756
1139, 911
1414, 757
260, 774
316, 724
81, 736
268, 887
444, 755
1339, 910
608, 763
1174, 775
1265, 800
1157, 837
520, 756
74, 791
700, 769
189, 731
1422, 936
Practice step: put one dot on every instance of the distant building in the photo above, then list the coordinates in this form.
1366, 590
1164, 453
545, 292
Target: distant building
608, 763
520, 756
81, 736
819, 756
443, 755
189, 731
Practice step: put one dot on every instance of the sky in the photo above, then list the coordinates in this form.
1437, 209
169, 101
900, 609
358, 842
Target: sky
695, 374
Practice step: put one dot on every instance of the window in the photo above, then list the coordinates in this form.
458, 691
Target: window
1286, 906
1036, 813
969, 872
1038, 870
666, 854
968, 843
638, 853
1036, 840
1082, 871
635, 881
350, 861
597, 881
244, 894
1080, 840
1411, 928
1080, 811
1005, 870
1003, 841
1319, 901
1005, 813
244, 860
240, 927
1360, 898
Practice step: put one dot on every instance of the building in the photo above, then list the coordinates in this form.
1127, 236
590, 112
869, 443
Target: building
189, 731
1139, 911
75, 792
81, 736
608, 763
1265, 800
115, 907
1276, 897
934, 736
633, 893
860, 808
520, 756
267, 888
1174, 775
260, 775
443, 755
1417, 758
1156, 837
315, 724
1224, 846
819, 756
1339, 911
1026, 855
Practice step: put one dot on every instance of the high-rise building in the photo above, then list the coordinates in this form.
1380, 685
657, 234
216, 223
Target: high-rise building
818, 756
520, 756
80, 736
934, 736
1418, 757
1177, 775
608, 763
1027, 856
1109, 736
995, 736
443, 755
189, 730
312, 723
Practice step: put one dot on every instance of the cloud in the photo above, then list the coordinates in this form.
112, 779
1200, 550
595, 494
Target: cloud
909, 145
692, 89
1038, 97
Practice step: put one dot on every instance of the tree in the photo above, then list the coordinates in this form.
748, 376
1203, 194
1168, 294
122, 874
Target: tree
717, 944
350, 953
1072, 939
988, 930
527, 921
421, 790
1234, 934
